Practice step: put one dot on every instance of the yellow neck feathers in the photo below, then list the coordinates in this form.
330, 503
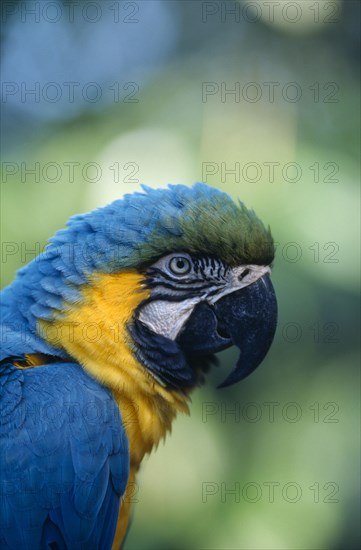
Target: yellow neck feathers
94, 333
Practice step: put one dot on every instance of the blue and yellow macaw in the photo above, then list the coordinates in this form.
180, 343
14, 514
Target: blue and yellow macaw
104, 335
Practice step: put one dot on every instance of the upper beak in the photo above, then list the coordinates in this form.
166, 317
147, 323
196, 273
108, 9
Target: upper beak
246, 318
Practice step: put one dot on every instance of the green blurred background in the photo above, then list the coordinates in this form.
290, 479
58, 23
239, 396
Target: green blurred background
143, 92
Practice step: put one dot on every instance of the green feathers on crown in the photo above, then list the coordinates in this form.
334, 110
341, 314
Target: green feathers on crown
207, 221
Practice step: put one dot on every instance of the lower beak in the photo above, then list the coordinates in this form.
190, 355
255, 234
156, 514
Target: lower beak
246, 318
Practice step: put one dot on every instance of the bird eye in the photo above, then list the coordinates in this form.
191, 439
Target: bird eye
180, 265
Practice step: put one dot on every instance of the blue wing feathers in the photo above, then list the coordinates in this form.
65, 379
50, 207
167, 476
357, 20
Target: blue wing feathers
64, 459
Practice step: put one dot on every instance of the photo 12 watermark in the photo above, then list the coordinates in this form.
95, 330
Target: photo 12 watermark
271, 11
270, 171
69, 92
39, 11
270, 492
270, 92
68, 172
270, 412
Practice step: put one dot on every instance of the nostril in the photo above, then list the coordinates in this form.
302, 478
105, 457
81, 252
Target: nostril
244, 274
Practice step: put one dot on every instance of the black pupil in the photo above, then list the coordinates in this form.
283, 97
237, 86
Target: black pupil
180, 263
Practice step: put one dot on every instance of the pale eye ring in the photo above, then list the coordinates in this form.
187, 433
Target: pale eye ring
179, 265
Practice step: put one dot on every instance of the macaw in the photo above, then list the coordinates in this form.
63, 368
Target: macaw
104, 335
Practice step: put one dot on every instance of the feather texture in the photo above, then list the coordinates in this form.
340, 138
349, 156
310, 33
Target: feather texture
65, 459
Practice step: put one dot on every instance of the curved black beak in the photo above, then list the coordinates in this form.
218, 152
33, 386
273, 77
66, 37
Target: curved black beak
246, 318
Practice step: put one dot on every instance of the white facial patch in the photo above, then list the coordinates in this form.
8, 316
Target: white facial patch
167, 318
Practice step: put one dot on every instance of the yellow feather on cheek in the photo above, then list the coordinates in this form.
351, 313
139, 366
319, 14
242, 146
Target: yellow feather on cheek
94, 332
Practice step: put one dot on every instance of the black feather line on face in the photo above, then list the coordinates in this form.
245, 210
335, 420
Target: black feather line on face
206, 272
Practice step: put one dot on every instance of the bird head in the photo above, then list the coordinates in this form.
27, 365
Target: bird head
209, 285
195, 264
